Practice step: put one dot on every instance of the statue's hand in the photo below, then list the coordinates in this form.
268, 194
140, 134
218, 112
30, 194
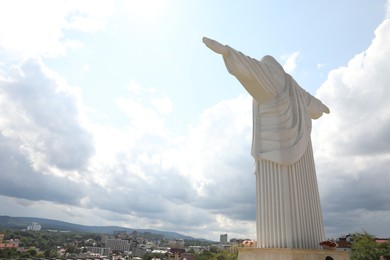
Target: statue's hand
325, 109
316, 108
215, 46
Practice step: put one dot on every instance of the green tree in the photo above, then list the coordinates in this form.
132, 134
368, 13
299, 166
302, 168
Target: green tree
204, 255
226, 255
365, 247
220, 257
53, 253
8, 253
149, 256
32, 252
214, 249
41, 255
72, 249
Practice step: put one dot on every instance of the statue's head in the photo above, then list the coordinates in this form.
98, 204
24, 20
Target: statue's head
271, 61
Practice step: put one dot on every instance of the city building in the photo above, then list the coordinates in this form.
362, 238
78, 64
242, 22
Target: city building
8, 245
102, 251
34, 227
223, 238
176, 243
104, 238
176, 253
118, 245
13, 243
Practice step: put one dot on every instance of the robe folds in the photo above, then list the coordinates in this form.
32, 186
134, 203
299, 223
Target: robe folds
281, 124
288, 210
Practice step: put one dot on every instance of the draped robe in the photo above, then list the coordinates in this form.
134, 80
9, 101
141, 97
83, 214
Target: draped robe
288, 210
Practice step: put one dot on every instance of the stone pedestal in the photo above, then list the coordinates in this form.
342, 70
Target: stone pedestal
289, 254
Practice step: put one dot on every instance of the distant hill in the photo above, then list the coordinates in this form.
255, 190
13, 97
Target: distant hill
23, 222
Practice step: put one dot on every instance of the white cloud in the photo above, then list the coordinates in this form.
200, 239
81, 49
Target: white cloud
290, 62
40, 113
86, 67
43, 142
88, 16
139, 172
146, 13
28, 28
163, 105
352, 142
140, 116
320, 65
146, 109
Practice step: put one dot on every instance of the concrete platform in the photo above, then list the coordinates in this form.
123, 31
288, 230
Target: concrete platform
250, 253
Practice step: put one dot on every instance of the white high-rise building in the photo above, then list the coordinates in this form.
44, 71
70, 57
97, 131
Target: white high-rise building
223, 238
34, 227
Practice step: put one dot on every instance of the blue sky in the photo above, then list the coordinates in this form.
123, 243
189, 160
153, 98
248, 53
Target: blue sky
115, 113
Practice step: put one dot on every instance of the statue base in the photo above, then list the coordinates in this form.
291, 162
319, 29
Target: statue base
248, 253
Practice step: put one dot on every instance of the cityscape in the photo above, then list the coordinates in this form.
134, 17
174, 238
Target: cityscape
121, 244
118, 245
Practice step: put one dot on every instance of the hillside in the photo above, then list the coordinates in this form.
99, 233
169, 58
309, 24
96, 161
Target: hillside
23, 222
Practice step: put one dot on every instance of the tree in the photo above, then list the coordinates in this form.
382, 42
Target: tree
149, 256
226, 255
204, 255
365, 247
53, 253
8, 253
32, 252
214, 249
220, 257
41, 255
72, 249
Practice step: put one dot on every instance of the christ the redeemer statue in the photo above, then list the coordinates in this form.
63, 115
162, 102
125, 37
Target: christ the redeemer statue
288, 210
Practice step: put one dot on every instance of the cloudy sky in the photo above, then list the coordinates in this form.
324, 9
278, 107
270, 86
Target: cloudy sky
115, 113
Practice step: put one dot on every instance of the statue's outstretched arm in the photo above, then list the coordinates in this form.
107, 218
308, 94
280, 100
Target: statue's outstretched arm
243, 72
215, 46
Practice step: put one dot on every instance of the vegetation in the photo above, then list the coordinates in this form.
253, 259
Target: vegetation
150, 256
214, 253
45, 244
365, 247
195, 242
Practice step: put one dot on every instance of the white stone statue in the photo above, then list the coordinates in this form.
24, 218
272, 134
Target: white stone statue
288, 212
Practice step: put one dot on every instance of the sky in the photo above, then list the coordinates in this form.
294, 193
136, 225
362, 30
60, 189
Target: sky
116, 113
